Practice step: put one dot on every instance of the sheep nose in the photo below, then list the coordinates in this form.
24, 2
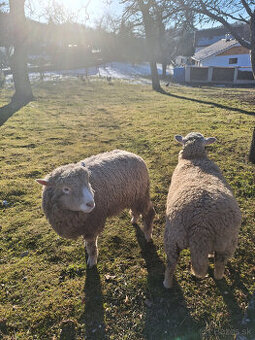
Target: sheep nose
90, 204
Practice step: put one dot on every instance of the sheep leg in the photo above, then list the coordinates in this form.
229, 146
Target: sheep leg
171, 263
220, 261
147, 222
92, 250
134, 216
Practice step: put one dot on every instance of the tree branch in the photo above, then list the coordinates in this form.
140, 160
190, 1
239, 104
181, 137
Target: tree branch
247, 8
205, 11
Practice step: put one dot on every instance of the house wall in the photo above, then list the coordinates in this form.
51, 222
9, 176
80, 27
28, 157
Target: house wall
223, 60
235, 50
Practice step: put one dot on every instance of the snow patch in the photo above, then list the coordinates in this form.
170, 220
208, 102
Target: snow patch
135, 73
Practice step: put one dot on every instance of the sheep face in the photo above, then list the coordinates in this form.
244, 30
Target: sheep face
72, 190
194, 144
76, 194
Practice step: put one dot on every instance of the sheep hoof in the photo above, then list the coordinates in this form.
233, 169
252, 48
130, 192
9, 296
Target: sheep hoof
200, 276
92, 261
133, 220
167, 284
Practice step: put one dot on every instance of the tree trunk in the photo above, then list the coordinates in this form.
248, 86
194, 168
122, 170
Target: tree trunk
251, 157
155, 77
252, 37
150, 40
23, 92
163, 70
253, 59
252, 149
18, 62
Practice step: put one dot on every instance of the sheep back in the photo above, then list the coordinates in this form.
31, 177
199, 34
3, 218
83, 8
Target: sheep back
201, 204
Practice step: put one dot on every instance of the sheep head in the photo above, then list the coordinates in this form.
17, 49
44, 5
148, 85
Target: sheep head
70, 188
194, 144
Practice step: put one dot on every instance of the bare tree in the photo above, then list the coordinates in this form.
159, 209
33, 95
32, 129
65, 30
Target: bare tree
225, 12
150, 30
55, 12
14, 36
163, 23
143, 13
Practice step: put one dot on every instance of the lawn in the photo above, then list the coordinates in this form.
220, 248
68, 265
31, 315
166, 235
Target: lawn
46, 291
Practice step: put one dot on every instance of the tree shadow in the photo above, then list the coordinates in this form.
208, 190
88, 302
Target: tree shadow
237, 280
221, 106
8, 110
93, 316
233, 307
167, 315
244, 322
248, 322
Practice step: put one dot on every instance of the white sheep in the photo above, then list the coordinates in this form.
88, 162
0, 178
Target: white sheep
202, 213
77, 198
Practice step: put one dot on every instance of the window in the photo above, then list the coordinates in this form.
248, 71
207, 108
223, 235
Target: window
232, 60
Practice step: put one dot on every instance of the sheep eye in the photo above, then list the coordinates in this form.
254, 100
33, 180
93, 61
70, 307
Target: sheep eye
66, 190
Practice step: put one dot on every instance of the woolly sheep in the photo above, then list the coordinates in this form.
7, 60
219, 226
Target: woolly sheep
202, 213
77, 198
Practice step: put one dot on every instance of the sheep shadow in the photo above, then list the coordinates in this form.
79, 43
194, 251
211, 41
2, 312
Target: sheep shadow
93, 316
167, 315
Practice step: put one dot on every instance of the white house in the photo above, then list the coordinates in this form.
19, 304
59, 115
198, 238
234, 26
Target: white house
223, 53
225, 61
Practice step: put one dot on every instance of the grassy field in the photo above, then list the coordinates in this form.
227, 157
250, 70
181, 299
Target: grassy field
46, 291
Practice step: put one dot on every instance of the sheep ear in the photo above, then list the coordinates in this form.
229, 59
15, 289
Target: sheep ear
179, 139
83, 164
43, 182
209, 140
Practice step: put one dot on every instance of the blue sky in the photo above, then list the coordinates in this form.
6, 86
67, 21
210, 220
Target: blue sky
96, 8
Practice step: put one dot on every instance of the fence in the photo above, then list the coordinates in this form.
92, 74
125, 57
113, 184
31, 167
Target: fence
213, 74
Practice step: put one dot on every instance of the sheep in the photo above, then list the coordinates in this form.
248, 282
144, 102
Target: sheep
77, 198
201, 212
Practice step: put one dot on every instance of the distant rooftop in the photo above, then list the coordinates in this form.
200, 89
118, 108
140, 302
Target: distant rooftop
209, 36
220, 46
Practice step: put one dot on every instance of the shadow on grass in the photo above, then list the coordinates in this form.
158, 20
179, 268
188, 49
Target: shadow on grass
93, 316
233, 307
237, 280
238, 317
167, 315
8, 110
221, 106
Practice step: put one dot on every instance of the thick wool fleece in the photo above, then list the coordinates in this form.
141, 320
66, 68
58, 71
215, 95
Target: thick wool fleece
119, 180
201, 211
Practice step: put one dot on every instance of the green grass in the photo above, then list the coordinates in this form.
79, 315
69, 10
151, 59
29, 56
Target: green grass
46, 291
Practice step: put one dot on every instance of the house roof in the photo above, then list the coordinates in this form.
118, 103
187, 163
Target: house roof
216, 48
242, 29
